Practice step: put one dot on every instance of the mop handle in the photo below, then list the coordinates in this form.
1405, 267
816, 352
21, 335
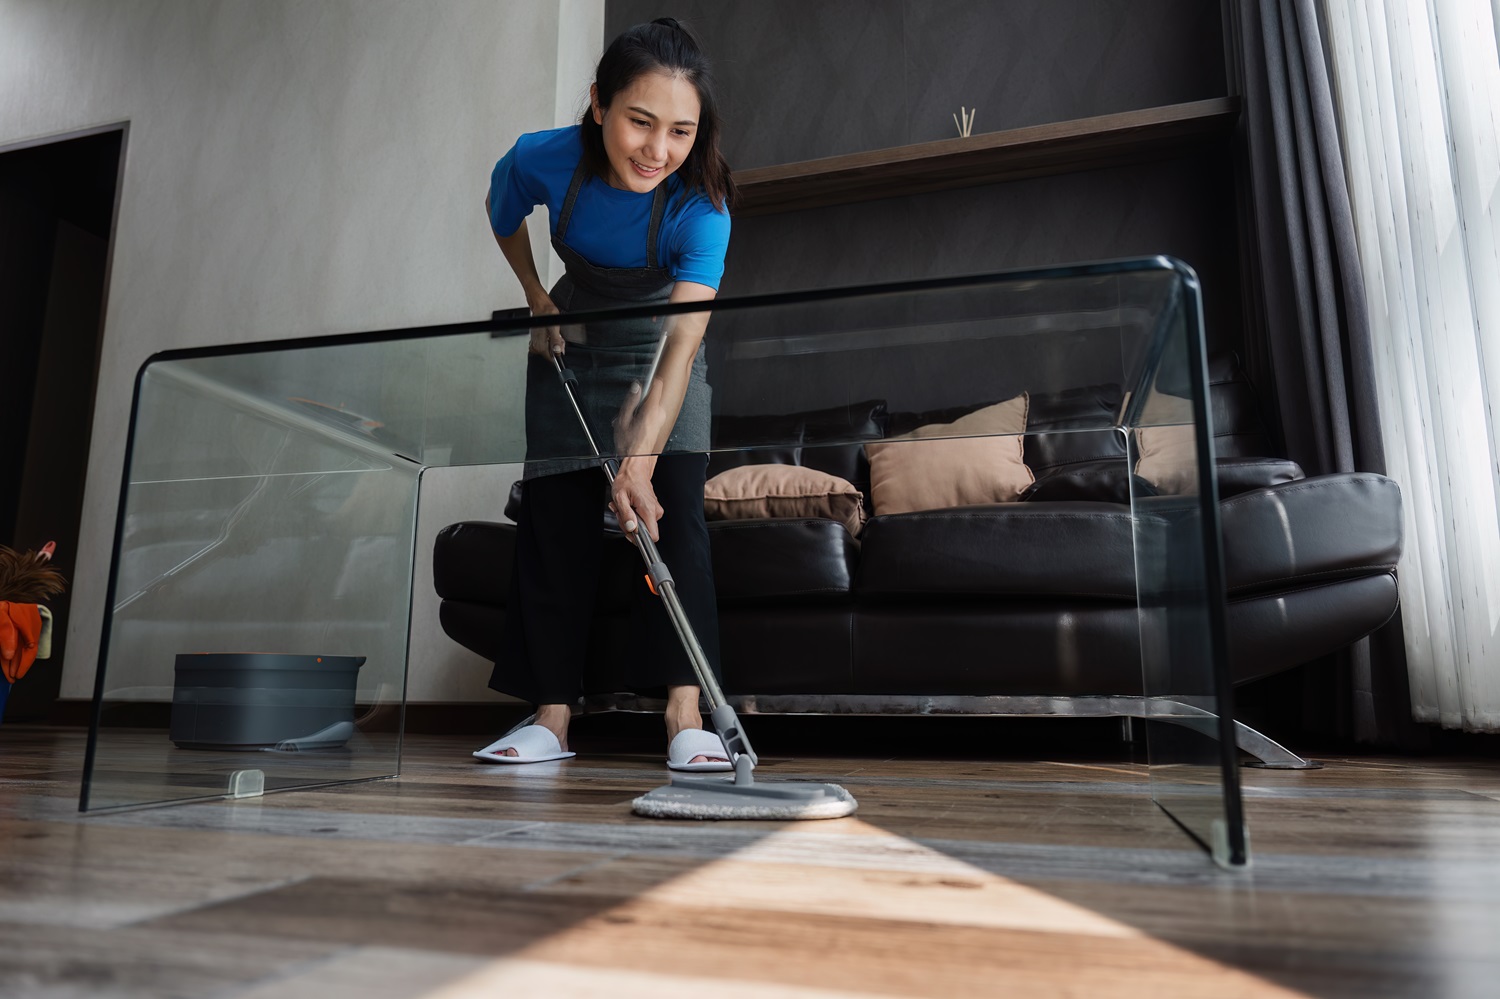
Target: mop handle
657, 574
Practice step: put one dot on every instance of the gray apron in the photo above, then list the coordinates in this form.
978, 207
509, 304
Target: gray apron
607, 357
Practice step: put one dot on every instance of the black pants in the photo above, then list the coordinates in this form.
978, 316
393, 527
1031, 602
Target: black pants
559, 548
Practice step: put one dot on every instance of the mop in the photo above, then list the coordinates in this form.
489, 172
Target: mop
737, 797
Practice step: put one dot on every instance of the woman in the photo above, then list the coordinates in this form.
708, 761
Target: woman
638, 194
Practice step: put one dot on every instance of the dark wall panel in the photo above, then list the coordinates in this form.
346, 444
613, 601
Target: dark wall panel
802, 80
797, 80
1183, 207
1036, 61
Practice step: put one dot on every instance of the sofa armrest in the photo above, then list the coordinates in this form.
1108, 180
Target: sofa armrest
1240, 475
1311, 531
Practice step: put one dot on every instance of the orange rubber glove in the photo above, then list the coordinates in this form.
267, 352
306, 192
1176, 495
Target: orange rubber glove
20, 626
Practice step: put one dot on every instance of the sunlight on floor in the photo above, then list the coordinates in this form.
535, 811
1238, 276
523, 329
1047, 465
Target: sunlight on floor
853, 871
516, 976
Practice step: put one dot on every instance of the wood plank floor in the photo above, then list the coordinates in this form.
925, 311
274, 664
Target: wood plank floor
1376, 876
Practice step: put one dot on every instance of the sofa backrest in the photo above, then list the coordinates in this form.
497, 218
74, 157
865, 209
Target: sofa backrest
802, 438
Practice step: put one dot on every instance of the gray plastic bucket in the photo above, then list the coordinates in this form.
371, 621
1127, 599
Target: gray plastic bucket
258, 700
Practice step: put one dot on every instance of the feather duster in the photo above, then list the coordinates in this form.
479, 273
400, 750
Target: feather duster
26, 578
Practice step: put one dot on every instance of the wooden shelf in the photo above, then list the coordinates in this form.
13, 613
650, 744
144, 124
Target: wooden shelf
1038, 150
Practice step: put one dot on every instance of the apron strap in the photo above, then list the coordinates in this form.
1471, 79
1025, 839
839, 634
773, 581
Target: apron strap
658, 210
653, 231
579, 175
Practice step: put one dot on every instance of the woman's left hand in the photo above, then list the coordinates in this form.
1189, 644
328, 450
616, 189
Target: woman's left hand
634, 501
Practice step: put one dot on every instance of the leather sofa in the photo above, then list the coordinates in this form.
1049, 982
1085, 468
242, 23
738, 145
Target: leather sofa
1018, 606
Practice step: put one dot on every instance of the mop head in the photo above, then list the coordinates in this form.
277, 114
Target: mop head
707, 799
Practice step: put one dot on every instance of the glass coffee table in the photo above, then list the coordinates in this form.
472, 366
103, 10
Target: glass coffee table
260, 597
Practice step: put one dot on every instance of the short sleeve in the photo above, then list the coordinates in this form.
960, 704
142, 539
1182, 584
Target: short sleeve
513, 192
701, 247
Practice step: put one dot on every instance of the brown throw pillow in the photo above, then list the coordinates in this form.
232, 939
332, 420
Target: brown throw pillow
760, 492
981, 463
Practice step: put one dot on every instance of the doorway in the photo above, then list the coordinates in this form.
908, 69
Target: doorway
58, 201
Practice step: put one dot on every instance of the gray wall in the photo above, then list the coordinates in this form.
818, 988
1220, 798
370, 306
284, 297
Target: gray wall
293, 169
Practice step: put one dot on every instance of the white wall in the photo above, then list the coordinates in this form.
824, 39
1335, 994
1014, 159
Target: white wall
293, 169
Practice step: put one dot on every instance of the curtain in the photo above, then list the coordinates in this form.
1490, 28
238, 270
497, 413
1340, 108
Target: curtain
1417, 88
1309, 332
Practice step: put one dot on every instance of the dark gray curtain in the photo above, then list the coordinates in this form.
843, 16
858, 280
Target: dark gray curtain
1308, 334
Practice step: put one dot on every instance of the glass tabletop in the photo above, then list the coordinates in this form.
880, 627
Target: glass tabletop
258, 620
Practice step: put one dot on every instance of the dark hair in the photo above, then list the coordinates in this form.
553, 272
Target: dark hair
663, 45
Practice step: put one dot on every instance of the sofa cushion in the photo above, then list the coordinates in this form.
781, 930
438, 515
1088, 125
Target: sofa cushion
471, 561
786, 648
825, 437
1311, 531
1168, 460
1240, 475
903, 423
1039, 648
1107, 480
1073, 426
475, 626
608, 521
1013, 549
808, 559
858, 421
744, 440
1058, 426
974, 459
762, 492
819, 438
1239, 430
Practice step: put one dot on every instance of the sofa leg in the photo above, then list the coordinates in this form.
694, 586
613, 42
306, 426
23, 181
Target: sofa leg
1269, 754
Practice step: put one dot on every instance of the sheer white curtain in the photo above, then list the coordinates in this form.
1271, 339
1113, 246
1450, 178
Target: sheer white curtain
1417, 84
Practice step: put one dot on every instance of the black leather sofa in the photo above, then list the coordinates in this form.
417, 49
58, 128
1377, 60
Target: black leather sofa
1014, 608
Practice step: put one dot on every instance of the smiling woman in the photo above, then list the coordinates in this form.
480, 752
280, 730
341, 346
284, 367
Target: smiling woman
640, 147
663, 89
639, 196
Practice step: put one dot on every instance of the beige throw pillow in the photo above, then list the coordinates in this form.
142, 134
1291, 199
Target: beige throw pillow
1168, 459
981, 463
1166, 445
759, 492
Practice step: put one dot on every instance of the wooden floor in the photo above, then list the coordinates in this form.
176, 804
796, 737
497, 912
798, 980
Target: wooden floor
957, 877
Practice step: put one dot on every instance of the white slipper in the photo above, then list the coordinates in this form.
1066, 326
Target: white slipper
532, 743
691, 742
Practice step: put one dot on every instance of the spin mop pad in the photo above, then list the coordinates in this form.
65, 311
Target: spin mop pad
674, 802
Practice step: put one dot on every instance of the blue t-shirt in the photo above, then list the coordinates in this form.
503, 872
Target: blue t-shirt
609, 226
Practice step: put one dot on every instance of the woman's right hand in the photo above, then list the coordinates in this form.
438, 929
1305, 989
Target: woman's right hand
545, 340
632, 498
